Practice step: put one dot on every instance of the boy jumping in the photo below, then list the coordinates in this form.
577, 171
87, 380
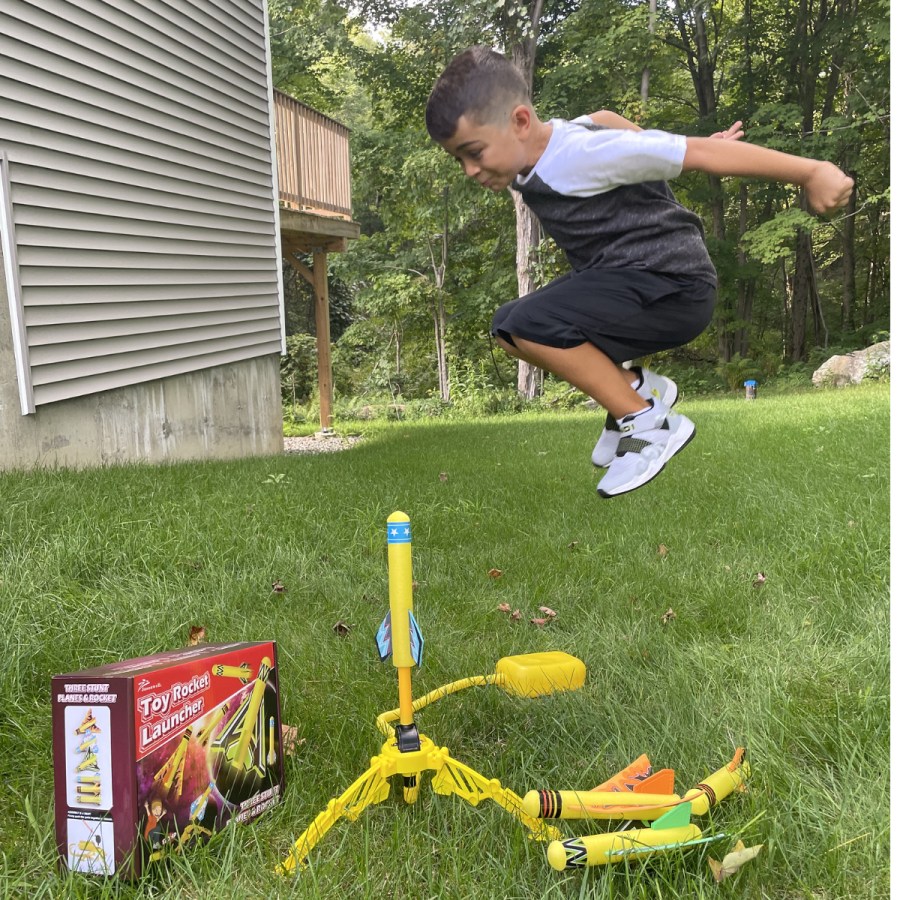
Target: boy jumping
641, 280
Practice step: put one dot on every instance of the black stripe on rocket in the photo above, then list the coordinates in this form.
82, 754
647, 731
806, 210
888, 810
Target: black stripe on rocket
551, 804
576, 853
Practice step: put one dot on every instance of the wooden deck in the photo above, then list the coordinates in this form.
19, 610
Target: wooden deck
313, 155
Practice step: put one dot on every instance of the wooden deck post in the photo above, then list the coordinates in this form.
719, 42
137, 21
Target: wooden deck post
323, 336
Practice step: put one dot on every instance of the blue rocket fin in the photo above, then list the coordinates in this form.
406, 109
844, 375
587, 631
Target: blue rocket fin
383, 638
416, 641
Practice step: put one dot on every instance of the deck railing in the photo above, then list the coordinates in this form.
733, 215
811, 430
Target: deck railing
313, 159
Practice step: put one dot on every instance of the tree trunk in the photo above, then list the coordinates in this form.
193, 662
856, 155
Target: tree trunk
530, 377
801, 295
522, 52
702, 65
645, 75
439, 309
848, 240
440, 342
745, 286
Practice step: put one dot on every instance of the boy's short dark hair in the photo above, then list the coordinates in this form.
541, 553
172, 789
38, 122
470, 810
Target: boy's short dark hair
477, 83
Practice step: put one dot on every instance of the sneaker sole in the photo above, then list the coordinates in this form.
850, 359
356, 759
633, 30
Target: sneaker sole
663, 460
665, 402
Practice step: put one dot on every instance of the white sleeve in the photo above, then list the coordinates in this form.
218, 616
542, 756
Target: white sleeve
595, 161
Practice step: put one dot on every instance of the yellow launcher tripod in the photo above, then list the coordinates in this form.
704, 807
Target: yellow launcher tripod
410, 754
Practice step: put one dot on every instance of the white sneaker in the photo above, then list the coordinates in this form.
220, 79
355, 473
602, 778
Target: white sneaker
649, 439
651, 387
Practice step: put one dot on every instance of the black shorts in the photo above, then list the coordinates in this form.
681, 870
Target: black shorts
626, 313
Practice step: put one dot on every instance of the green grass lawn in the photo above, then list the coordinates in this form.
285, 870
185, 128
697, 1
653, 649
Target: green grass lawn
99, 566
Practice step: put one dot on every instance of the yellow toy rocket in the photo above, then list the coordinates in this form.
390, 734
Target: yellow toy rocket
242, 740
670, 831
670, 814
204, 735
172, 771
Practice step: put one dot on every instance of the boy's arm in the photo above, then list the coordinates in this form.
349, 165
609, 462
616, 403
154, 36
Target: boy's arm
613, 120
826, 186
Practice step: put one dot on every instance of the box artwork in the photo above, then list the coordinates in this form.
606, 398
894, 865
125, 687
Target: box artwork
151, 754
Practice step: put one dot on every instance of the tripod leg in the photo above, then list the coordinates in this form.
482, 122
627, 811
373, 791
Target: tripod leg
370, 788
453, 777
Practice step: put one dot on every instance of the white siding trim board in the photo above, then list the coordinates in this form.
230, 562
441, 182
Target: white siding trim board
14, 290
276, 201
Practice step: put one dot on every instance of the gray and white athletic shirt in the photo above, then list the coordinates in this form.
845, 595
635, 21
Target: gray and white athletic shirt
601, 194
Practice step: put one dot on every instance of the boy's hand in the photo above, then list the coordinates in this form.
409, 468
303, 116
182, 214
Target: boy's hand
827, 188
735, 133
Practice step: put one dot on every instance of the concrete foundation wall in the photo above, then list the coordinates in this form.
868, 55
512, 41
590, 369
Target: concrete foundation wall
227, 412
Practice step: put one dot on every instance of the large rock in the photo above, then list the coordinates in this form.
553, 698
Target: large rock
873, 362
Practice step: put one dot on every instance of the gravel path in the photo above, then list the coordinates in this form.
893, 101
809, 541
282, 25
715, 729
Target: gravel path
319, 443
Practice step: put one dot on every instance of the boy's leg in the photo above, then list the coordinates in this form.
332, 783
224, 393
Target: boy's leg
587, 368
582, 325
652, 434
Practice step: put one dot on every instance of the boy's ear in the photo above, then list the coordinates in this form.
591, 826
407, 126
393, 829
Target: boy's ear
521, 117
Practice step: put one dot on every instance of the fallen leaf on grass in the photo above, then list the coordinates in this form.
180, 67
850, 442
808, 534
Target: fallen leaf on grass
504, 607
550, 613
278, 587
668, 616
516, 615
663, 550
760, 579
733, 860
196, 635
341, 628
540, 622
443, 476
573, 544
494, 573
289, 741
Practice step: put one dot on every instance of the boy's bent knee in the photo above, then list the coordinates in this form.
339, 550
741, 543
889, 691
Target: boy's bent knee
505, 342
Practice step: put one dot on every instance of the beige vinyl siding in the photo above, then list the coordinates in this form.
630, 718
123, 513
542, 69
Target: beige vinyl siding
140, 160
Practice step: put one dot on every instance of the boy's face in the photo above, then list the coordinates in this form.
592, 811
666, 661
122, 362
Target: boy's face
493, 154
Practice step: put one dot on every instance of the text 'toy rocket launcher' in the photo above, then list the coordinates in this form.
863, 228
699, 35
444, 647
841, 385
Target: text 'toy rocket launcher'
409, 753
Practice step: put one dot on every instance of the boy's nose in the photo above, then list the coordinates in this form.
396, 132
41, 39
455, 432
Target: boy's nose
471, 168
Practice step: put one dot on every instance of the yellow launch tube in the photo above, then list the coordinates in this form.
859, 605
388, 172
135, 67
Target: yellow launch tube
399, 541
400, 587
601, 849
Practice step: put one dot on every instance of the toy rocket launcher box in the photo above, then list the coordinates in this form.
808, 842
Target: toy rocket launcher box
154, 753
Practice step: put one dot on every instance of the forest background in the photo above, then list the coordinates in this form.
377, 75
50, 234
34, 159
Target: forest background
412, 299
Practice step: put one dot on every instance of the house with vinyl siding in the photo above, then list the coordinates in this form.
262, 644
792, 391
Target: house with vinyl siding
143, 232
